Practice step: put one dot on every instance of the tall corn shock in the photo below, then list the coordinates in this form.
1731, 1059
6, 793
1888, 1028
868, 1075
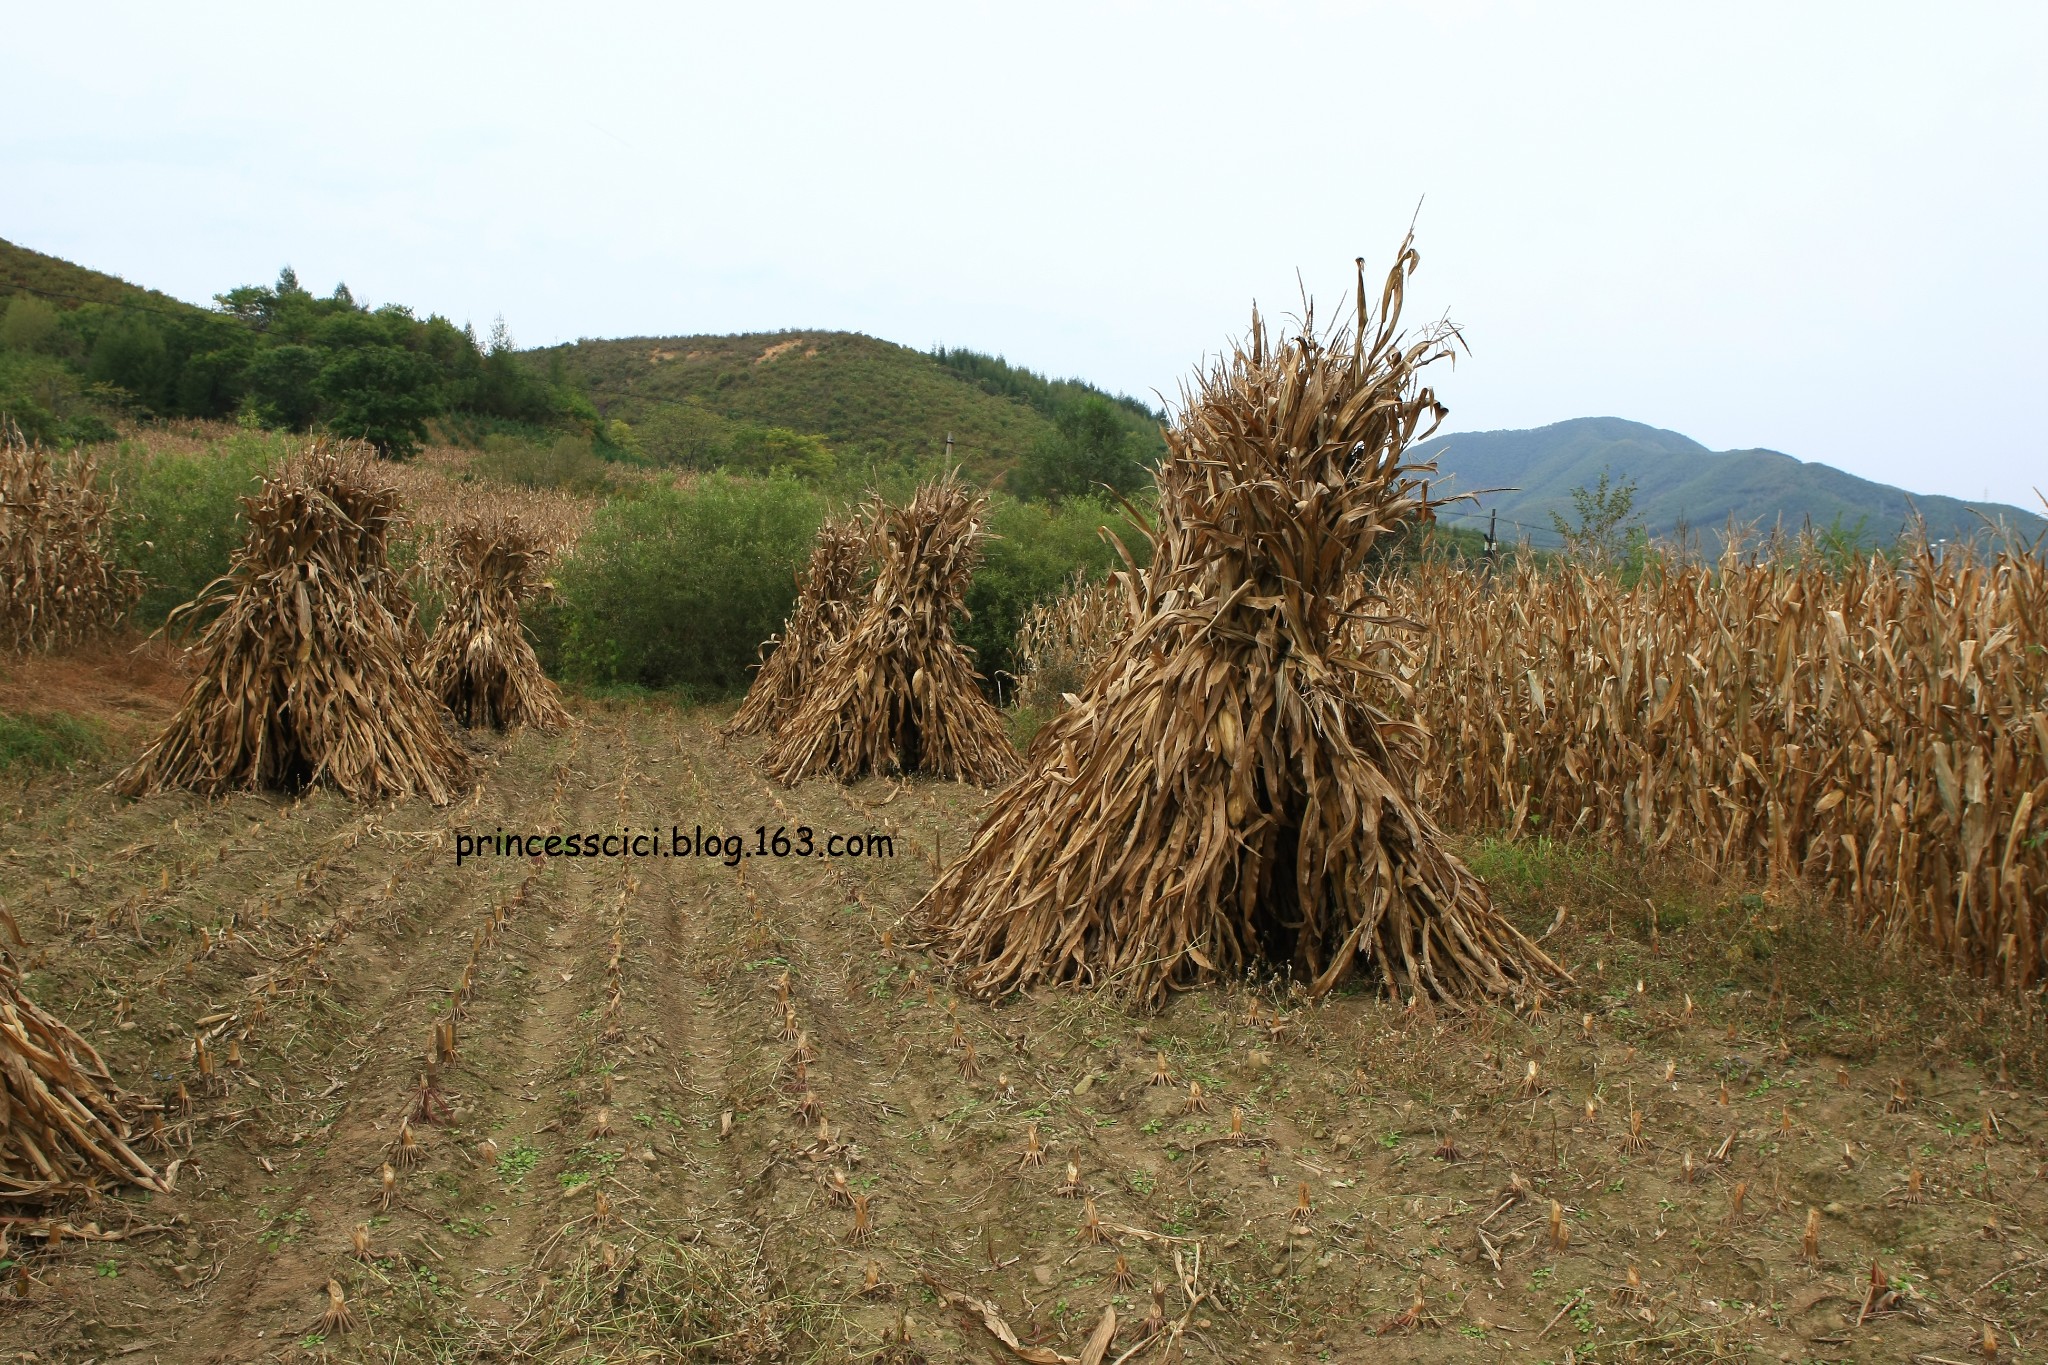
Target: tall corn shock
899, 694
306, 675
828, 601
1226, 791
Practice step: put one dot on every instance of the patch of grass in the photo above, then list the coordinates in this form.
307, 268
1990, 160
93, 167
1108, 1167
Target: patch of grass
668, 1301
516, 1162
48, 739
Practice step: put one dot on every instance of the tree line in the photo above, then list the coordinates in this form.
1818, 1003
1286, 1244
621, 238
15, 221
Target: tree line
275, 355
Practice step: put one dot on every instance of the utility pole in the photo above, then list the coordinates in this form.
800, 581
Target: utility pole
1492, 517
949, 450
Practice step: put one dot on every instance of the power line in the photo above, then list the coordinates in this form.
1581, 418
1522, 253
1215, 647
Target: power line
1521, 525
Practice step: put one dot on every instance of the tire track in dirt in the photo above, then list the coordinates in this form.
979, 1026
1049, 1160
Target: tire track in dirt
352, 1056
533, 1054
883, 1074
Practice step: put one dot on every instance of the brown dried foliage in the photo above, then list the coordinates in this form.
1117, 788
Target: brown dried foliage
479, 662
57, 586
1061, 641
305, 674
1226, 790
1871, 730
898, 694
1874, 730
828, 600
61, 1115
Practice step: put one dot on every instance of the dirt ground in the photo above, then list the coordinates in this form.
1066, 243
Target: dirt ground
635, 1153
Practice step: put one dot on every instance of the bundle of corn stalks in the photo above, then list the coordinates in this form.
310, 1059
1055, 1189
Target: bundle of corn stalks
56, 584
1224, 791
305, 675
60, 1112
898, 694
1875, 729
828, 598
479, 662
1060, 642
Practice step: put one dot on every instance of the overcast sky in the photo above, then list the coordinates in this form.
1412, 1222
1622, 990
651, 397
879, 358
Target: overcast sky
1813, 228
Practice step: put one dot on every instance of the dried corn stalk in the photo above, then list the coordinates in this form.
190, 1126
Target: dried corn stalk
1060, 642
828, 599
57, 586
305, 674
1224, 792
1880, 731
61, 1123
898, 694
479, 662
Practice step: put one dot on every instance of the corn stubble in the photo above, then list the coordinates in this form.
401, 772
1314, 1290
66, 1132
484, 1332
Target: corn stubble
479, 662
1225, 790
898, 694
57, 586
305, 674
828, 601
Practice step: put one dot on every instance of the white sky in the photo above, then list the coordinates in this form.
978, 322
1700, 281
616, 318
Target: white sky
1816, 228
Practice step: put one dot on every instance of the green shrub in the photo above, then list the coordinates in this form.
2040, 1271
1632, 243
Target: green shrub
43, 398
180, 515
686, 434
677, 587
48, 740
1031, 558
568, 462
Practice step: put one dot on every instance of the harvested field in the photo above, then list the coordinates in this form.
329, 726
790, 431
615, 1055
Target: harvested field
628, 1146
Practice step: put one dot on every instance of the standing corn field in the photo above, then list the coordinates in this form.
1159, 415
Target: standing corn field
828, 599
57, 585
304, 676
1059, 642
1881, 731
479, 663
1223, 792
899, 694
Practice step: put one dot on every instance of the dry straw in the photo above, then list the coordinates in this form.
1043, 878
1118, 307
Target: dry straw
828, 599
1224, 791
61, 1123
479, 662
305, 674
57, 586
1876, 730
1060, 641
898, 694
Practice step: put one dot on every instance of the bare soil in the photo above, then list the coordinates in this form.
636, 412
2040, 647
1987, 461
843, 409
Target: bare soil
694, 1214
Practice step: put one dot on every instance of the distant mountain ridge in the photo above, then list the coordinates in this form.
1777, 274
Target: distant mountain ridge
1681, 483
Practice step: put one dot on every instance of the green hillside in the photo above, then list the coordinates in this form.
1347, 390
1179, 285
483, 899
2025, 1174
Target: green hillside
65, 285
872, 400
1680, 483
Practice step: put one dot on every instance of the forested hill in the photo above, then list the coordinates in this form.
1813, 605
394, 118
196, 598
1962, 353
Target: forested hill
1680, 482
80, 349
869, 398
